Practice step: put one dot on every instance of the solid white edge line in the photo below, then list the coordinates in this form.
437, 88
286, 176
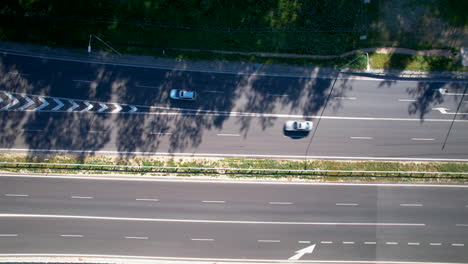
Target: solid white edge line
77, 258
201, 220
422, 139
8, 235
16, 195
173, 179
223, 155
202, 239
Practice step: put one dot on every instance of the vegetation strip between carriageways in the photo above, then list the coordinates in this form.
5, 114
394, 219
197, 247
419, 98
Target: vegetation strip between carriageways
235, 171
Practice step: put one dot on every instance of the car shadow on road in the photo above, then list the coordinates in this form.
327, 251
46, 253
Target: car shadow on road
295, 134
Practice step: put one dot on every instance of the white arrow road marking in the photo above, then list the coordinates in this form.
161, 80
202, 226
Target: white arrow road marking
28, 104
43, 105
15, 101
103, 107
117, 108
444, 111
303, 251
59, 104
441, 109
133, 109
444, 92
89, 106
73, 107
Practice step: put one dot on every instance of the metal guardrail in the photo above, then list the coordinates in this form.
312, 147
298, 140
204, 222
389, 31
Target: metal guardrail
216, 170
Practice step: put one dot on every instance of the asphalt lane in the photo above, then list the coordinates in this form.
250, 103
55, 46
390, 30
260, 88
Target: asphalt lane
236, 135
220, 132
432, 224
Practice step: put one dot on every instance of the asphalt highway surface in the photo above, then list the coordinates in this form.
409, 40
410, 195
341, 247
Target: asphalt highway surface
60, 105
240, 221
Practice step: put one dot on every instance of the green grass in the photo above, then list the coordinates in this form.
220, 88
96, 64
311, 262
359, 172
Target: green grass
182, 163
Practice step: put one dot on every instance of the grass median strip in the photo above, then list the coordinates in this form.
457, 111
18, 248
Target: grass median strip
317, 170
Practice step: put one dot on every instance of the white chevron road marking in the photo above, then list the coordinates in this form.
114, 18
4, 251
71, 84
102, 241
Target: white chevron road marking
15, 101
59, 104
28, 104
103, 107
73, 107
44, 104
89, 106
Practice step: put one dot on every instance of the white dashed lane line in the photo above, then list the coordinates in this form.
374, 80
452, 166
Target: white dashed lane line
348, 242
347, 204
406, 100
16, 195
435, 244
370, 243
82, 197
160, 134
228, 135
461, 225
213, 201
202, 239
391, 243
268, 241
458, 245
326, 242
361, 137
147, 199
304, 242
8, 235
344, 98
71, 235
413, 244
411, 205
423, 139
280, 203
135, 237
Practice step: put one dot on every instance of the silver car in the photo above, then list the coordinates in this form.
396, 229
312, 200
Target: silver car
182, 95
292, 125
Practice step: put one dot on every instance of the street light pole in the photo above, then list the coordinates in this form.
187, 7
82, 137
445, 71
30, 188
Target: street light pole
89, 44
368, 62
323, 109
454, 117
